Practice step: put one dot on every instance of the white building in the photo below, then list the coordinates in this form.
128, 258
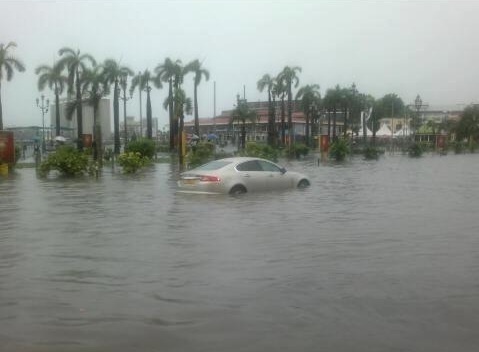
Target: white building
68, 128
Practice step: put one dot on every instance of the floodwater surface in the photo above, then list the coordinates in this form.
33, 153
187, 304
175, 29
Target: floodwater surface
374, 256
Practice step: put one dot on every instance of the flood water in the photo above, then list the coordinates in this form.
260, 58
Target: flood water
374, 256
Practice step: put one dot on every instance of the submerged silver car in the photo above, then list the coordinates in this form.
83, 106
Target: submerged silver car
239, 175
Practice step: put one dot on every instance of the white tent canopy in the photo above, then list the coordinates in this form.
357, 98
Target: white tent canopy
403, 132
384, 131
368, 133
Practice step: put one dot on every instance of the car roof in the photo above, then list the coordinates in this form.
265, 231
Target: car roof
238, 159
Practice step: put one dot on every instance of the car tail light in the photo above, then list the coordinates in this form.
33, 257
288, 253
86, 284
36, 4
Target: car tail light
208, 178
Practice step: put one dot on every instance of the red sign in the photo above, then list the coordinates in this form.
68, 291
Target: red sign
324, 143
7, 147
87, 140
440, 141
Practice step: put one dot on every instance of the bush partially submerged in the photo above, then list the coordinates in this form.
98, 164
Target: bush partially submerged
144, 146
339, 150
201, 153
415, 150
260, 151
67, 161
131, 162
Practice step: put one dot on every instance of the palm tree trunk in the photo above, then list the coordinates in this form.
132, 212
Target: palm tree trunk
345, 125
307, 129
124, 118
329, 123
98, 137
171, 114
116, 118
149, 134
57, 112
271, 139
180, 141
290, 113
79, 112
334, 124
1, 111
283, 127
197, 120
243, 135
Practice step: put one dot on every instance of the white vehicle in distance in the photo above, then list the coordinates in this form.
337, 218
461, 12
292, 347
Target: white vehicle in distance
239, 175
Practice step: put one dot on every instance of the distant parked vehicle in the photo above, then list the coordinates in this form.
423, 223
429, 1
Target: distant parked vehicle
239, 175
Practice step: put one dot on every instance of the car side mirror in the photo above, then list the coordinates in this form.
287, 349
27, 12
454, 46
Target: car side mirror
283, 170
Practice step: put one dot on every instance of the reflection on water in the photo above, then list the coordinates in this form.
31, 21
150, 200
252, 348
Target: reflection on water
375, 256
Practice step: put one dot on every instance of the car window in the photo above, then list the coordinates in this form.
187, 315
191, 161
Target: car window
251, 165
214, 165
267, 166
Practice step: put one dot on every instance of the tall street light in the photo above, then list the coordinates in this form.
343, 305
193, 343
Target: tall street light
44, 109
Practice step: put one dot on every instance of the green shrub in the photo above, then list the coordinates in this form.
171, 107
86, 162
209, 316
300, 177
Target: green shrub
144, 146
131, 162
260, 151
415, 150
66, 160
339, 150
201, 153
371, 153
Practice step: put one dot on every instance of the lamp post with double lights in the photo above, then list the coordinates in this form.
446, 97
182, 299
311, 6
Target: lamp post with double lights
43, 104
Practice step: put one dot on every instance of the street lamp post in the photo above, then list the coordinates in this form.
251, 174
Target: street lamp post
44, 109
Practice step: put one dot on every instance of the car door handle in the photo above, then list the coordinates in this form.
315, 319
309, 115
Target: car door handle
246, 175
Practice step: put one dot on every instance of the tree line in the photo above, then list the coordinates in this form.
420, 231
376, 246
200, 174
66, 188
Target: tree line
80, 76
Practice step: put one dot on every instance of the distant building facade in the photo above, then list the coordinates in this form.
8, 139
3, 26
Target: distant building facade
69, 127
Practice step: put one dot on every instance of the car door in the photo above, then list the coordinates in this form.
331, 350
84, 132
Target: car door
252, 175
275, 177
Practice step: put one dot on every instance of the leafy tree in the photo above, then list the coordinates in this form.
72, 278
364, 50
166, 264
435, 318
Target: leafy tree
113, 72
468, 125
243, 114
8, 64
199, 72
310, 97
76, 63
390, 105
289, 77
53, 78
266, 82
138, 81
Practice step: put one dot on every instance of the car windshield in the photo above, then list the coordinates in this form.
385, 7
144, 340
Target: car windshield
214, 165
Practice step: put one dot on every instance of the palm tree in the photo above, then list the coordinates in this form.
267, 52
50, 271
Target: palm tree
53, 78
243, 114
8, 64
267, 82
76, 63
279, 90
332, 101
309, 95
113, 72
95, 83
170, 71
138, 81
124, 86
199, 72
143, 83
183, 106
290, 78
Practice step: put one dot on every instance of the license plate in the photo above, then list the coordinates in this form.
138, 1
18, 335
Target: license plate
189, 181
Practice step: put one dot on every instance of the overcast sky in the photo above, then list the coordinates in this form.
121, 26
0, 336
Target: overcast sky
429, 48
